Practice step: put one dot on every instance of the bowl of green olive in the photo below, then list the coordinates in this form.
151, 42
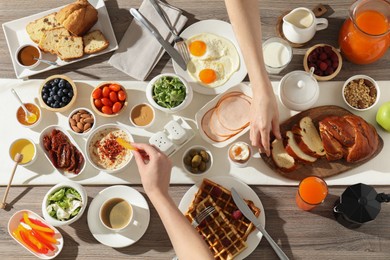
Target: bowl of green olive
197, 160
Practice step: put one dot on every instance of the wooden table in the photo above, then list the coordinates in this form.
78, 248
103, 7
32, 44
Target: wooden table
302, 235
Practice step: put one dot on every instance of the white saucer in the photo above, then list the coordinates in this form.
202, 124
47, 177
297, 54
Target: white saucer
134, 231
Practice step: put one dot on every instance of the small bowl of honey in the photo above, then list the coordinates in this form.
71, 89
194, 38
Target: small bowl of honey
26, 54
29, 121
26, 147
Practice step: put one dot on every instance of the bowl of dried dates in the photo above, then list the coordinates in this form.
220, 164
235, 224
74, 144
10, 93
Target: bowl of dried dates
325, 59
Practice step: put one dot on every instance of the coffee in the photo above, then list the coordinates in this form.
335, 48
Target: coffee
116, 213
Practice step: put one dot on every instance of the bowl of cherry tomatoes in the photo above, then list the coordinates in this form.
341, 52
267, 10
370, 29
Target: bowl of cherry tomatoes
109, 99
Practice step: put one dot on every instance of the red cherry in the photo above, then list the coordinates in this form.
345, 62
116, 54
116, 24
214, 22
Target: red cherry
323, 56
323, 66
335, 64
334, 57
236, 214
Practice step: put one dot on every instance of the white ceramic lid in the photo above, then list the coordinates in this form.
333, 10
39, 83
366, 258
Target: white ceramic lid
298, 90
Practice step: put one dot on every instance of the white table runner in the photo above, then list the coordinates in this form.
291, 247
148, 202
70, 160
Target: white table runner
375, 172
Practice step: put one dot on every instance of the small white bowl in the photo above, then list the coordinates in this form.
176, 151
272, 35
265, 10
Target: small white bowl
209, 164
23, 48
142, 126
187, 100
239, 163
13, 153
356, 78
84, 200
39, 119
95, 136
93, 124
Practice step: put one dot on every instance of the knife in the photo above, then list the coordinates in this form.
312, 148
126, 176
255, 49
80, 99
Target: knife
165, 44
246, 211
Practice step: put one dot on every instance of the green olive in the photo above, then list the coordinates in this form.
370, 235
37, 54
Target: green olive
187, 160
202, 166
205, 156
193, 152
194, 170
196, 160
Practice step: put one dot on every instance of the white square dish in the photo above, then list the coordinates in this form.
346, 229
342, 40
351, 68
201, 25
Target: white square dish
16, 35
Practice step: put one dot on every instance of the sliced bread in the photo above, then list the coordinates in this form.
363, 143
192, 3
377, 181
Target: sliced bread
295, 151
308, 138
50, 39
37, 28
70, 47
94, 41
282, 159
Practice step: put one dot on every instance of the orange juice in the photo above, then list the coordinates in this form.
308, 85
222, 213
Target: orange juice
312, 191
364, 38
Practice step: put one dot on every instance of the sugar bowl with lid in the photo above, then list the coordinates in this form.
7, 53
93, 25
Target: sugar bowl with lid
299, 90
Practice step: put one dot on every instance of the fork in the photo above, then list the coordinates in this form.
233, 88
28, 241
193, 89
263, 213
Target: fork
202, 216
179, 41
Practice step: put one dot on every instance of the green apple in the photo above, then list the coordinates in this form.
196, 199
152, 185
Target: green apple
383, 116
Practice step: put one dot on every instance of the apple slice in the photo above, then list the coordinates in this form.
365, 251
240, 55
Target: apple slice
293, 149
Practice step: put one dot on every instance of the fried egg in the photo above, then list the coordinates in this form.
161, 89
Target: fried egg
214, 59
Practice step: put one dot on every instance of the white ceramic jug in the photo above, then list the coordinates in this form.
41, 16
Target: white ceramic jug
300, 25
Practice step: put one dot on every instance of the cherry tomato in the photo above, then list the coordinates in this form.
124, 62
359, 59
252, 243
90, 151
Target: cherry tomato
115, 87
98, 103
107, 110
97, 93
106, 91
117, 107
106, 102
122, 95
113, 96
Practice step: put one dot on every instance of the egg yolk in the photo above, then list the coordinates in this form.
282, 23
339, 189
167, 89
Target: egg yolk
207, 76
198, 48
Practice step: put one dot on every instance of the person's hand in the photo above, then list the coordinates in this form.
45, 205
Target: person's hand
155, 169
264, 117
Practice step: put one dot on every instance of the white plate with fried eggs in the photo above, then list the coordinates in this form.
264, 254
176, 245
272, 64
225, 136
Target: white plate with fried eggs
216, 61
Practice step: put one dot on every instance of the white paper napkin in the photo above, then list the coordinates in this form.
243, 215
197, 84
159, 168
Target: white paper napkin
138, 50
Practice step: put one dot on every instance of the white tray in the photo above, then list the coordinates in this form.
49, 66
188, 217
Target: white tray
16, 36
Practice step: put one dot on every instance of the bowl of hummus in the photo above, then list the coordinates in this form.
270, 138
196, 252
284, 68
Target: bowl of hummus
104, 152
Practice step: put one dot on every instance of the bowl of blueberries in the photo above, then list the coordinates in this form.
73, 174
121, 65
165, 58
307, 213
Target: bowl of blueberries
57, 93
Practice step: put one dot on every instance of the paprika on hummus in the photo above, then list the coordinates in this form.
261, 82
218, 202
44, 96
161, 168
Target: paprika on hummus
106, 152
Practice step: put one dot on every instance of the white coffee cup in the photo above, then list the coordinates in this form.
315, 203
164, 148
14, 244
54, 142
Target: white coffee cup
300, 25
116, 214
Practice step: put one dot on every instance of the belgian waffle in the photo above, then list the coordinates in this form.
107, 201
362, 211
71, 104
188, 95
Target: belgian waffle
222, 198
220, 235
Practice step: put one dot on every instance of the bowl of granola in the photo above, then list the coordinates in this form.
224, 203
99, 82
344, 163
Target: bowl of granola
360, 92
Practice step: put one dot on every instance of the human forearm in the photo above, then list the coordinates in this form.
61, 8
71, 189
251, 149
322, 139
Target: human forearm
188, 244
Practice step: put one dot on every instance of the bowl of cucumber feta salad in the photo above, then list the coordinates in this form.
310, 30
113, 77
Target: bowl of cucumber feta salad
64, 203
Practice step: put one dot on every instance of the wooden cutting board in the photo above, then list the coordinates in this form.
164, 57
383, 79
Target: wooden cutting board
322, 167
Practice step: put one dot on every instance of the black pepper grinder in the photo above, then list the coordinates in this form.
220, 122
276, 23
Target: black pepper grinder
358, 204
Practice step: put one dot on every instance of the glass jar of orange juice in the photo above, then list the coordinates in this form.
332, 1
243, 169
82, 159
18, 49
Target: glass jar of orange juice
365, 35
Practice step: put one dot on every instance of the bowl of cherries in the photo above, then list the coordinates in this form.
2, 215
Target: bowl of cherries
325, 59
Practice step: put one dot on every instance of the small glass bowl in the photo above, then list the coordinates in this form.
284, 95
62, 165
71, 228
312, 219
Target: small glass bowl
277, 54
20, 113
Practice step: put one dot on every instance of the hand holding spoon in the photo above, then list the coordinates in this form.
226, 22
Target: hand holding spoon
30, 117
18, 158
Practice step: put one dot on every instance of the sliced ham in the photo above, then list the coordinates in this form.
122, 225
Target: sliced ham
207, 130
219, 129
233, 113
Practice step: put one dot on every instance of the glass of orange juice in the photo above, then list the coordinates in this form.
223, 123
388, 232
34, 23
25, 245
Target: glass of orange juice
311, 192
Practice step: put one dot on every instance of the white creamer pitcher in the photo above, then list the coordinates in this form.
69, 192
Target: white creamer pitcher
300, 25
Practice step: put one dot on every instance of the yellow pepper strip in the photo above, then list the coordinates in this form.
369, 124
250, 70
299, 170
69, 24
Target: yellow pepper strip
16, 234
34, 226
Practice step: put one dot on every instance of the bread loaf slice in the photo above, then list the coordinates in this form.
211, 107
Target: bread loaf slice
78, 17
70, 47
37, 28
50, 39
295, 151
308, 138
94, 41
282, 159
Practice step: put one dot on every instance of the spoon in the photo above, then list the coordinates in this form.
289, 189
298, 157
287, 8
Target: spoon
53, 63
18, 158
30, 117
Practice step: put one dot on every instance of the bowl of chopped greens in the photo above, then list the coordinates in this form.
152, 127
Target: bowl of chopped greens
169, 93
64, 203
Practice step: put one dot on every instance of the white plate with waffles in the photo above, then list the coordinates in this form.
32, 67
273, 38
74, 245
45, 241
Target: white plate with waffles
245, 192
16, 36
219, 28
